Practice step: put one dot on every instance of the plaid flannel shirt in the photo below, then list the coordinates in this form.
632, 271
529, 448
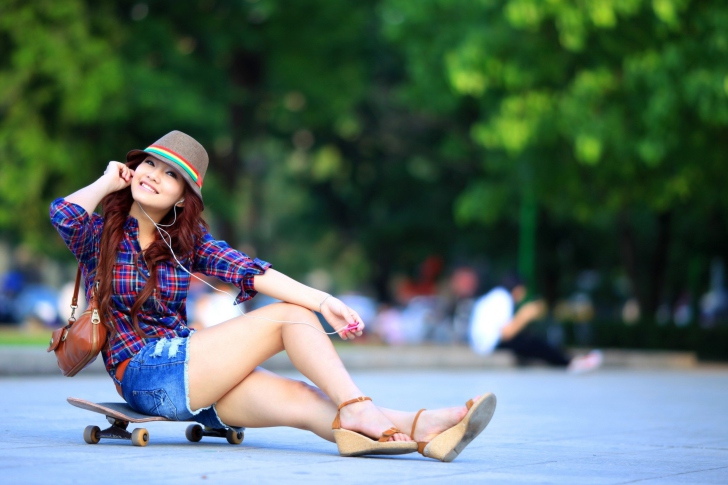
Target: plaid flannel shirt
164, 314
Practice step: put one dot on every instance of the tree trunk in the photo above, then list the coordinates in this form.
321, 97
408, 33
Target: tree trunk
648, 289
656, 284
246, 73
527, 237
628, 248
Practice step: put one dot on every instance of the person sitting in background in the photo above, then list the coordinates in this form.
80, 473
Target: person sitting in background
495, 323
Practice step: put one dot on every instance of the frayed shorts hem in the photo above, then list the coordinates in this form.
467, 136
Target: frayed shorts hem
156, 383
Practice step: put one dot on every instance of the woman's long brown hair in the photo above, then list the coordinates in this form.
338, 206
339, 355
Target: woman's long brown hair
183, 233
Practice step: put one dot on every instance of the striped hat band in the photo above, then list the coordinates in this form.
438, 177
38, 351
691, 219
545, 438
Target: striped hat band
178, 159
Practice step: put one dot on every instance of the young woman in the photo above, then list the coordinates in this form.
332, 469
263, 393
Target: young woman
141, 254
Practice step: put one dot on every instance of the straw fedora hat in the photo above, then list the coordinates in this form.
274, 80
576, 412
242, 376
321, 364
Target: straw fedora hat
181, 151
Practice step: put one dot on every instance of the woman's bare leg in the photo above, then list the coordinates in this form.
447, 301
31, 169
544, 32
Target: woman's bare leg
264, 399
223, 356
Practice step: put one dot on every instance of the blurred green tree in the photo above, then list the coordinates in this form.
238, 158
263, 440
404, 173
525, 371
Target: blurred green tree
57, 75
606, 110
314, 160
365, 137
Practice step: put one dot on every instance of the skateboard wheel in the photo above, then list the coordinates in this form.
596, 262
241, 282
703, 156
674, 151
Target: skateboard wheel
139, 437
234, 437
91, 434
193, 433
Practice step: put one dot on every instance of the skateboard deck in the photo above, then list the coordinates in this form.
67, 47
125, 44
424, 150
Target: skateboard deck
120, 414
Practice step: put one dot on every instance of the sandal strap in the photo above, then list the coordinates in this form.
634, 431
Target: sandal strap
352, 401
337, 420
388, 434
414, 423
469, 404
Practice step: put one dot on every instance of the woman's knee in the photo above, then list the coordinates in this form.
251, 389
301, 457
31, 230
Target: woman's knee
293, 313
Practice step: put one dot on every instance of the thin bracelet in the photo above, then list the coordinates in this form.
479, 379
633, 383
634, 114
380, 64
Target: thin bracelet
322, 301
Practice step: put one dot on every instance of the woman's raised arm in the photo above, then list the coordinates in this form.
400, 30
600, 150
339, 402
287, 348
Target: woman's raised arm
117, 176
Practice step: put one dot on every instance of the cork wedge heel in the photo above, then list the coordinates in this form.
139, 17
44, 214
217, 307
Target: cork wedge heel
447, 445
351, 443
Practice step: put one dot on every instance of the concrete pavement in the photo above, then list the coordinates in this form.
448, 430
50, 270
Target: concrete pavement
611, 427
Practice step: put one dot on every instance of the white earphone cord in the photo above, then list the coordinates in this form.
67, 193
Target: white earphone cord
163, 232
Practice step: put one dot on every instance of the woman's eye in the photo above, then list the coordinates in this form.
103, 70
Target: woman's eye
172, 174
150, 162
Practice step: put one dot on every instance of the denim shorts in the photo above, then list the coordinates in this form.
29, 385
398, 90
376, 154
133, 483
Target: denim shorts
156, 383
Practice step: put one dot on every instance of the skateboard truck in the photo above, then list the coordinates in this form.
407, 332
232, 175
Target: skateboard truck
117, 431
119, 415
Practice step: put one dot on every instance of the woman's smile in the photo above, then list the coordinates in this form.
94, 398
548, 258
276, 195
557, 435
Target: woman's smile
148, 187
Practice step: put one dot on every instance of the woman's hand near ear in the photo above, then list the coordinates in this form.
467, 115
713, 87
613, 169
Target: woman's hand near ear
117, 176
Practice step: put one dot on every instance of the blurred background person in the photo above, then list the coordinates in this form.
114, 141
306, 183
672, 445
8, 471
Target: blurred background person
457, 304
211, 307
499, 319
405, 320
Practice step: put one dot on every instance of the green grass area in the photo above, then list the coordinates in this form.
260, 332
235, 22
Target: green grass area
16, 336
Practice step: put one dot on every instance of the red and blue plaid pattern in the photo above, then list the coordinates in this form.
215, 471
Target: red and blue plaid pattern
163, 315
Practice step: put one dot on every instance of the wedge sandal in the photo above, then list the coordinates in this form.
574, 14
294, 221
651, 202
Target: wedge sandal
447, 445
351, 443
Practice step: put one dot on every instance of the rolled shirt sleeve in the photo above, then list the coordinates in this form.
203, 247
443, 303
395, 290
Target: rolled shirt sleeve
80, 231
218, 259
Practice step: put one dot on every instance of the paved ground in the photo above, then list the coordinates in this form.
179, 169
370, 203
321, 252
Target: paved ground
613, 426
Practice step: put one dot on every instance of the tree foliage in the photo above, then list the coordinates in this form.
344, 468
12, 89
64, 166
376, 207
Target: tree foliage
56, 76
366, 136
601, 108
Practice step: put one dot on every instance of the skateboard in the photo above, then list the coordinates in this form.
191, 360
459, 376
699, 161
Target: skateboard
119, 415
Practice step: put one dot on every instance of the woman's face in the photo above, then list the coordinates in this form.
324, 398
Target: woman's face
157, 185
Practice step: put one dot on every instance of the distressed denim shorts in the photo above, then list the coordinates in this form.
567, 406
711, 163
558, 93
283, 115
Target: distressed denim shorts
156, 383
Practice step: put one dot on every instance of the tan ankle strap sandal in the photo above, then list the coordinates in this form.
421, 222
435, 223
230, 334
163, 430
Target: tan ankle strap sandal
448, 444
351, 443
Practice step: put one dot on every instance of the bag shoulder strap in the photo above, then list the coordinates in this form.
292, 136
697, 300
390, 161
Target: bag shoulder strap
74, 301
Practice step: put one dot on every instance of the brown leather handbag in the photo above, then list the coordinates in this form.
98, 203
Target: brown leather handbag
78, 344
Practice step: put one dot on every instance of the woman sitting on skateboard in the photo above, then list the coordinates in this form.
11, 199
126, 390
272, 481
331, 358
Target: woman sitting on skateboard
142, 252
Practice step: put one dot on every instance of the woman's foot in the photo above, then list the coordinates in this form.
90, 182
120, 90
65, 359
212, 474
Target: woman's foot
448, 444
433, 422
366, 418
